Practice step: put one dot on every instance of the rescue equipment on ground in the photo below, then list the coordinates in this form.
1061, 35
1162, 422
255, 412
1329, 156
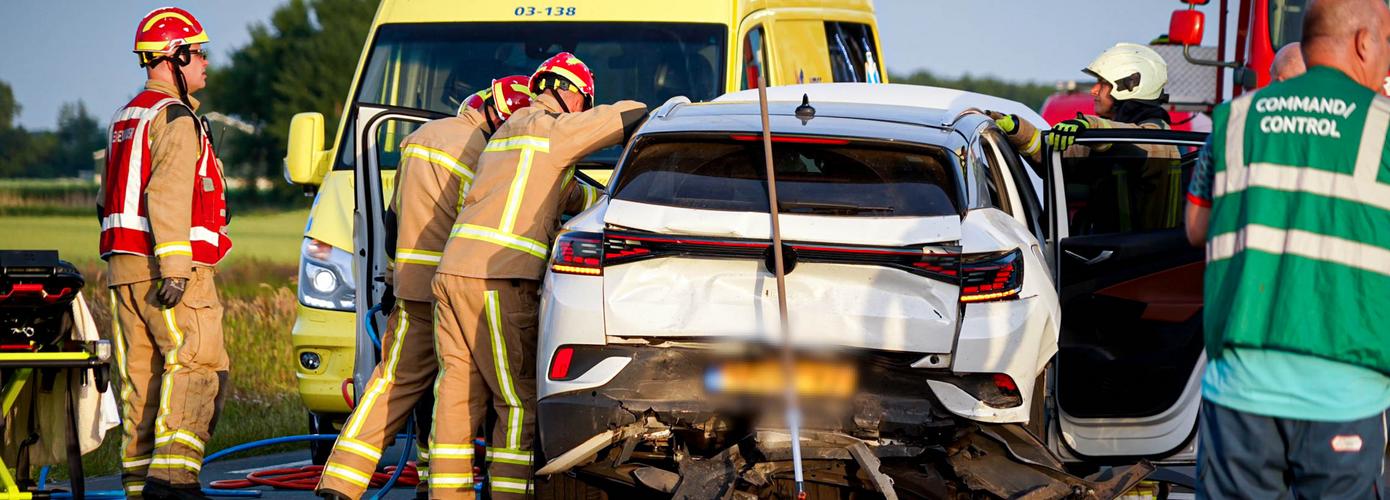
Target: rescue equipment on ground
37, 320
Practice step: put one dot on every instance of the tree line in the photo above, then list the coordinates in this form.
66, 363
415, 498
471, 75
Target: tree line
64, 152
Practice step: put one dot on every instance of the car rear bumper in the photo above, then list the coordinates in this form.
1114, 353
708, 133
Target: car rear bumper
892, 400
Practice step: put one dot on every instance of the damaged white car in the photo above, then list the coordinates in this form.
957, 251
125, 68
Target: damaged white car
921, 295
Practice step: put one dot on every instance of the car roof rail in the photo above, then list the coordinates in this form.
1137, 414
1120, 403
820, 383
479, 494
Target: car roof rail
669, 106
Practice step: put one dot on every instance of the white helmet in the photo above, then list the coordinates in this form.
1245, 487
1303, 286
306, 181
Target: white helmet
1135, 71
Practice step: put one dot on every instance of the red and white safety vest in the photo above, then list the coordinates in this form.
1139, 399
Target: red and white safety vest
125, 224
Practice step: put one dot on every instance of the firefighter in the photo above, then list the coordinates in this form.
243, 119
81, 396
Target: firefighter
436, 170
1128, 93
1288, 63
487, 283
163, 230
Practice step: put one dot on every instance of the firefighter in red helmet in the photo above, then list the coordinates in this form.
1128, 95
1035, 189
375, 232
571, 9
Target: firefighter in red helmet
163, 230
438, 165
487, 283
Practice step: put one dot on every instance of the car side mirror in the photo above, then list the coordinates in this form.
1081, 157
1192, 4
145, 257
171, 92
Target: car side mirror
304, 156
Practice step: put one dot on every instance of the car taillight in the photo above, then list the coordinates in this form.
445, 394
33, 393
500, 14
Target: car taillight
578, 253
560, 363
991, 276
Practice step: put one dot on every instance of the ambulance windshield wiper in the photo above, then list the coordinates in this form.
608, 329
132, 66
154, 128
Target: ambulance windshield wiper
817, 207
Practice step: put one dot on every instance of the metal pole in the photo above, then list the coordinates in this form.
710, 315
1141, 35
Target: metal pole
788, 364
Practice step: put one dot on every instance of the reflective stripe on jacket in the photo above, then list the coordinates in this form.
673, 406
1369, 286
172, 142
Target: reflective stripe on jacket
436, 171
512, 212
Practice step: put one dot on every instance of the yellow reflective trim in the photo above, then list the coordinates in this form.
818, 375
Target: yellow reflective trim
162, 16
510, 484
173, 248
451, 479
490, 235
180, 436
171, 366
438, 157
504, 376
1034, 143
358, 448
388, 378
45, 356
176, 462
569, 75
517, 192
347, 474
452, 451
421, 257
519, 142
590, 195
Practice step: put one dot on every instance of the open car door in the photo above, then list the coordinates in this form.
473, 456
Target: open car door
374, 176
1130, 353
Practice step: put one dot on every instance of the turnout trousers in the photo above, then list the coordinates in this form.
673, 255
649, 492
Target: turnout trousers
173, 370
485, 331
406, 370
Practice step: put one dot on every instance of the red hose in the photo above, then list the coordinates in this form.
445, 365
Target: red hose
347, 397
307, 477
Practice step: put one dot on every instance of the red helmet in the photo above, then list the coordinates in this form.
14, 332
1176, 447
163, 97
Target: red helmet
509, 94
476, 101
162, 31
565, 65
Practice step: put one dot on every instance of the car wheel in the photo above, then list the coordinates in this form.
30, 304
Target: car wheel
321, 424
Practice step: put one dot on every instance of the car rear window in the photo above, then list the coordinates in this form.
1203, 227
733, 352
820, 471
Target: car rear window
847, 179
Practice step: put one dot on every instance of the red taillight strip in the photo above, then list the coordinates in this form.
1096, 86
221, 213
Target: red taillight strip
687, 241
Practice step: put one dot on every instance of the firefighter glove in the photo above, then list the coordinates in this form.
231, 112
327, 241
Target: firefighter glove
1064, 134
1007, 123
171, 291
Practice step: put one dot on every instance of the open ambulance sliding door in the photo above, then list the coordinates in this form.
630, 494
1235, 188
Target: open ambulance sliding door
378, 131
1130, 354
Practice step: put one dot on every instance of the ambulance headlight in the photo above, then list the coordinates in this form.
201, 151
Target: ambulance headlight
325, 277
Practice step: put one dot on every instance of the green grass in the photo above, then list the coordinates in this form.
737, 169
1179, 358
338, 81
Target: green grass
271, 236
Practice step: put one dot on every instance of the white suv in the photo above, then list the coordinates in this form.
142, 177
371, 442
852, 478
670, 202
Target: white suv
921, 291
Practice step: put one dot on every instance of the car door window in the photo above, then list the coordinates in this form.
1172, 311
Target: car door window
754, 53
1028, 207
1126, 187
984, 175
851, 50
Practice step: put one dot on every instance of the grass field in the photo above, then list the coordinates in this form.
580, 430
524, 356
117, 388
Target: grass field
256, 284
271, 237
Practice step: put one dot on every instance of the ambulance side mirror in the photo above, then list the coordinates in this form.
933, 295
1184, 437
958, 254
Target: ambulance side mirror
304, 154
1186, 26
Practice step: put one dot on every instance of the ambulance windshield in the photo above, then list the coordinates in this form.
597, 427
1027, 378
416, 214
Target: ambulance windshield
436, 66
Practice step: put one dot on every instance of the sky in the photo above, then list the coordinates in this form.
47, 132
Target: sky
65, 50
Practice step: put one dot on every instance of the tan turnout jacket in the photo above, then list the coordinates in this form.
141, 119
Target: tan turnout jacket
525, 176
436, 171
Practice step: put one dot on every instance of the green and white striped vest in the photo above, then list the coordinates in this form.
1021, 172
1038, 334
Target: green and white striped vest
1298, 253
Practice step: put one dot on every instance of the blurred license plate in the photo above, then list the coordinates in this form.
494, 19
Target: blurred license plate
813, 378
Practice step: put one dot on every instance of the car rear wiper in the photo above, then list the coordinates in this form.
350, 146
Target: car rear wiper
816, 207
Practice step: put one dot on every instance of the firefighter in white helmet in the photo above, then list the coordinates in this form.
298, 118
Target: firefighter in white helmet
1128, 93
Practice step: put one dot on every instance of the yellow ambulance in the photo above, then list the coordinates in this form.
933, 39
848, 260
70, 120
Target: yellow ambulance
428, 55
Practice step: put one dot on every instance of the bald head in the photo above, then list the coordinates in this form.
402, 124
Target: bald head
1288, 63
1350, 35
